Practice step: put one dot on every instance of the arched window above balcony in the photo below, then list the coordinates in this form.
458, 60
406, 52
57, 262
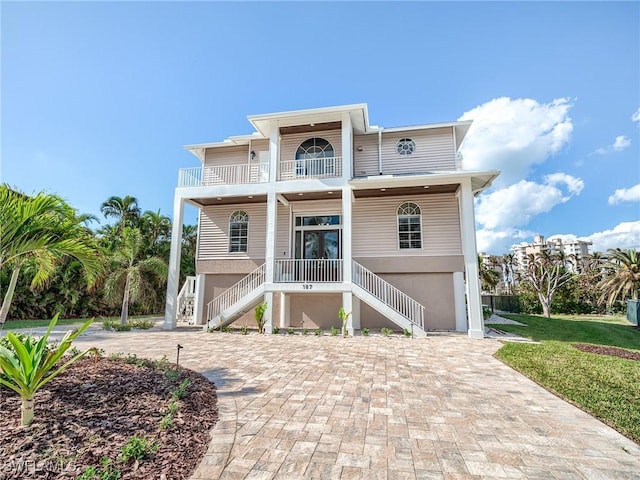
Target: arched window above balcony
315, 157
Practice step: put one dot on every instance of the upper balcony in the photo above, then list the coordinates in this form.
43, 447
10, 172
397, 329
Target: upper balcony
211, 175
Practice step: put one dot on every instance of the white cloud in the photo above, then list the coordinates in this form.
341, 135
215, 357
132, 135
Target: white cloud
625, 235
636, 116
499, 241
625, 195
620, 143
513, 135
517, 204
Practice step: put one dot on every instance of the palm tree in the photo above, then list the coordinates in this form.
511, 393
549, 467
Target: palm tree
156, 229
40, 230
489, 278
124, 210
622, 277
131, 277
508, 266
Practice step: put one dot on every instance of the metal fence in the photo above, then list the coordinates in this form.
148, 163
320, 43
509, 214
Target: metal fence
503, 303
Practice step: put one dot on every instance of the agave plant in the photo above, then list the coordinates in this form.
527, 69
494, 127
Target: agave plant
33, 364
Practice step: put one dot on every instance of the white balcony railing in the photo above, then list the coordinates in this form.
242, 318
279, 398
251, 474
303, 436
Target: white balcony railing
311, 168
223, 175
388, 294
300, 270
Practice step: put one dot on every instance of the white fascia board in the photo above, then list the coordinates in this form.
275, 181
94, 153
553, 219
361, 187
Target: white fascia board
263, 122
461, 126
480, 180
309, 111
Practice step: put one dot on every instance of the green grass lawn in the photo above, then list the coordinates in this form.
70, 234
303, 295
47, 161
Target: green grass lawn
607, 387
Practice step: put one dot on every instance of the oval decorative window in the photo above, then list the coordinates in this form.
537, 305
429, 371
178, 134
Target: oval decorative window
405, 146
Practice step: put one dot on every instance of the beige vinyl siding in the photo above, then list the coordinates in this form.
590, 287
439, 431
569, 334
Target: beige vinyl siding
290, 143
375, 228
317, 207
282, 232
365, 163
259, 145
435, 151
236, 155
213, 236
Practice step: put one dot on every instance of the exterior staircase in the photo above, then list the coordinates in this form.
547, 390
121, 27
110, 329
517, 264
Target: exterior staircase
245, 295
236, 300
186, 300
394, 304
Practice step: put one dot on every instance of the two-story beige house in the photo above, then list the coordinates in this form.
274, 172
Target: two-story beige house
318, 210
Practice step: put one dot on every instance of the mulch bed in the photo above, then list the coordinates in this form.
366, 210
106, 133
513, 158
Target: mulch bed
613, 351
90, 411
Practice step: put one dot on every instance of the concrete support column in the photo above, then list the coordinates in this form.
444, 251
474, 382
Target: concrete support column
285, 320
347, 304
268, 314
198, 301
459, 302
354, 319
470, 253
171, 305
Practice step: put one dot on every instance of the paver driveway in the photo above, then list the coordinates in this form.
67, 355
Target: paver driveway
373, 407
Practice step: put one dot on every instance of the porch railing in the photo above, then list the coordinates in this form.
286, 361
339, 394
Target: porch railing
223, 175
388, 294
310, 168
304, 270
235, 293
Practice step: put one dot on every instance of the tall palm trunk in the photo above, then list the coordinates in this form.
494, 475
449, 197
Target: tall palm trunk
125, 303
6, 304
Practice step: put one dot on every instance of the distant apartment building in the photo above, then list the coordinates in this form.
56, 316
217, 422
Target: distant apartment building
575, 250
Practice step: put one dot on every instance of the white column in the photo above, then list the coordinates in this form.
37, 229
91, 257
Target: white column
270, 245
198, 301
347, 304
470, 253
285, 320
274, 154
268, 314
347, 206
354, 319
459, 303
173, 276
347, 147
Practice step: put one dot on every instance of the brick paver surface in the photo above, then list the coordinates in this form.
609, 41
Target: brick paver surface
294, 407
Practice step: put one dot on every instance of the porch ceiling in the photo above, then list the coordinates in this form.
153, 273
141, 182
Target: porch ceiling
298, 196
415, 190
312, 127
229, 200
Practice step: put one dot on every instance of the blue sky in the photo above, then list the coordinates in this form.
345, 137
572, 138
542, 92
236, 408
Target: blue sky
99, 98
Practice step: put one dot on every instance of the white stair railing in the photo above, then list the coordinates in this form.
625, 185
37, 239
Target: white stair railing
320, 270
186, 298
235, 293
388, 294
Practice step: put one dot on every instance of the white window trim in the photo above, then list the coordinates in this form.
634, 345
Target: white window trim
229, 233
398, 227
